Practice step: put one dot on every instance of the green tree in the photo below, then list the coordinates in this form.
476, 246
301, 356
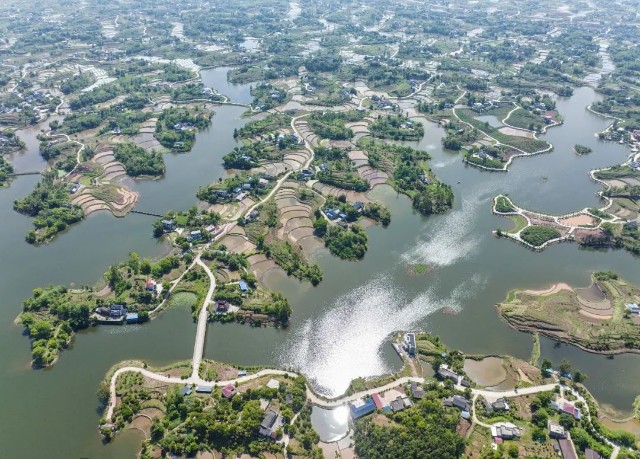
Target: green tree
41, 329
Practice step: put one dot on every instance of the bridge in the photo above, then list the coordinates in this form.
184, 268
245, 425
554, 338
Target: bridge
151, 214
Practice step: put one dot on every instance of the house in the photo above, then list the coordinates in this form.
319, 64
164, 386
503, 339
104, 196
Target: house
151, 285
241, 196
74, 188
556, 431
567, 450
423, 179
242, 373
568, 408
633, 308
331, 214
591, 454
194, 235
222, 193
222, 306
273, 384
186, 390
132, 318
359, 206
458, 401
116, 311
168, 225
397, 405
229, 391
262, 183
410, 343
204, 389
500, 405
211, 229
270, 424
445, 373
505, 430
358, 411
324, 167
342, 216
243, 286
416, 390
378, 401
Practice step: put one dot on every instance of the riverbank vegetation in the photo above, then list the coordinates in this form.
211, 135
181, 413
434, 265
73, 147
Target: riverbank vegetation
229, 189
337, 169
137, 161
593, 318
292, 260
539, 235
6, 169
176, 126
411, 175
52, 315
268, 125
346, 243
250, 155
188, 221
396, 127
50, 205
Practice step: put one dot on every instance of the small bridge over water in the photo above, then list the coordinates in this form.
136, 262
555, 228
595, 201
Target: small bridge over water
17, 174
151, 214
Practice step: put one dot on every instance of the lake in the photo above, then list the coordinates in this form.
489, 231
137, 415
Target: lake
339, 330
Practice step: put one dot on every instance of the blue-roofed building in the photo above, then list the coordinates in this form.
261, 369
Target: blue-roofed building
410, 343
132, 318
204, 389
243, 286
359, 411
633, 308
186, 390
342, 216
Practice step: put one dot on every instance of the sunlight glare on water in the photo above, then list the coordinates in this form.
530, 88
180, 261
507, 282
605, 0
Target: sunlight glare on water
345, 342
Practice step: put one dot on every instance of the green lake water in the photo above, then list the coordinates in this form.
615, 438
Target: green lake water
339, 329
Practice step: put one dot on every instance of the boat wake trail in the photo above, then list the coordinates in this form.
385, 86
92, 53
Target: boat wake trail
346, 342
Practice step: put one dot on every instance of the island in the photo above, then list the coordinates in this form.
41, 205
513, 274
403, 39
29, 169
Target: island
602, 317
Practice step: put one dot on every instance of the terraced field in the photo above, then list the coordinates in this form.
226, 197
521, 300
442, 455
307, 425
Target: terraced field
292, 161
103, 193
233, 210
295, 221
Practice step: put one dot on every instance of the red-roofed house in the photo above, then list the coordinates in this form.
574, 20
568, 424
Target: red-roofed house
229, 391
377, 401
572, 410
